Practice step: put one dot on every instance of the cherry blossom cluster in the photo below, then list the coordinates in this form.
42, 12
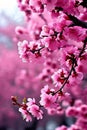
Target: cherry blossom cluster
73, 7
49, 100
28, 108
27, 49
78, 111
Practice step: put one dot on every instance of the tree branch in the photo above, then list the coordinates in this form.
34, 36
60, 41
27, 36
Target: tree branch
72, 68
77, 22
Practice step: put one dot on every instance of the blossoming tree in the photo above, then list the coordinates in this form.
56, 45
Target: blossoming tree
56, 40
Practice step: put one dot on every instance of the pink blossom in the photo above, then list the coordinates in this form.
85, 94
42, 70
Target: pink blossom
25, 114
36, 112
49, 3
72, 111
47, 100
51, 43
77, 76
75, 32
59, 77
63, 96
30, 102
23, 49
36, 6
34, 109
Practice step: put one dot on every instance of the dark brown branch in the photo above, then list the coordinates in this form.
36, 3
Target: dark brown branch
84, 3
66, 80
77, 22
37, 50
